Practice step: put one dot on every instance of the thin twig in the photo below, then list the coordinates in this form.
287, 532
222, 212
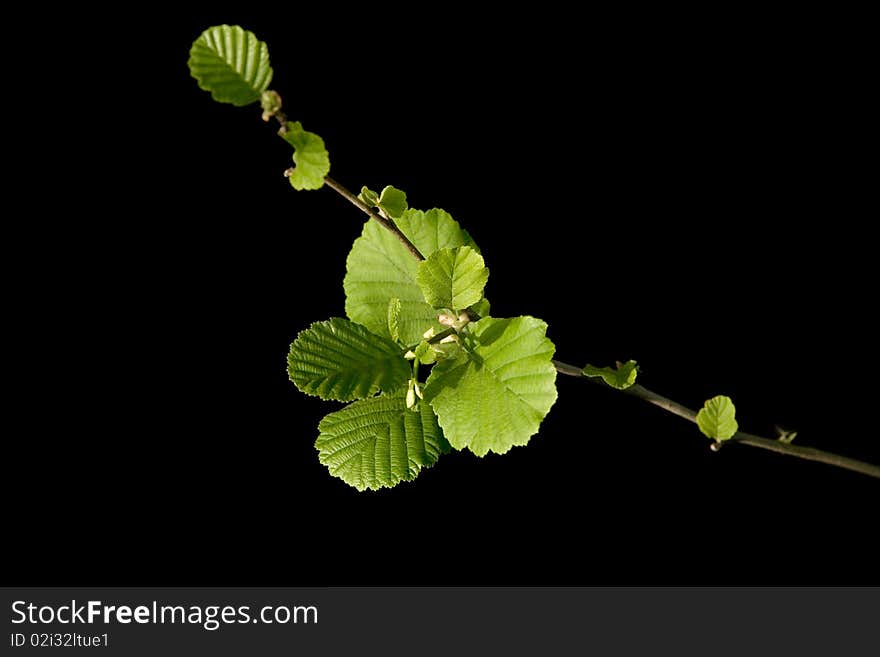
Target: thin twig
386, 223
808, 453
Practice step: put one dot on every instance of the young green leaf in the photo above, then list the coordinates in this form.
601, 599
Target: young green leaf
310, 156
339, 359
495, 396
621, 377
453, 278
394, 318
393, 202
379, 267
784, 436
270, 103
368, 197
231, 63
378, 442
717, 418
425, 353
481, 307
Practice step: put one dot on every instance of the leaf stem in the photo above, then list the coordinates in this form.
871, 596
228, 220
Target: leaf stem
808, 453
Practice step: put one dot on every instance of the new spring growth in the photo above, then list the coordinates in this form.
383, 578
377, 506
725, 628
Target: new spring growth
484, 403
270, 101
446, 348
454, 322
413, 391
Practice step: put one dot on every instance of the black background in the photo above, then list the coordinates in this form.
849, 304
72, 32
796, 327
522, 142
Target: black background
681, 190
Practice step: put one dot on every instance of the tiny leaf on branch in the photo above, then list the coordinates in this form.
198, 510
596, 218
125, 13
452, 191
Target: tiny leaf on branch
369, 197
231, 63
621, 377
481, 307
392, 201
341, 360
453, 278
378, 442
425, 353
309, 155
785, 436
270, 101
494, 395
717, 418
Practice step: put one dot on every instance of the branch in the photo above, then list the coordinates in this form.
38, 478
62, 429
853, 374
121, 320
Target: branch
808, 453
386, 223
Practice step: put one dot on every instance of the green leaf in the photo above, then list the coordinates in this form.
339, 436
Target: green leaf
494, 395
784, 436
717, 418
369, 197
311, 158
424, 353
339, 359
453, 278
443, 351
393, 202
481, 307
377, 442
379, 267
394, 318
621, 378
231, 63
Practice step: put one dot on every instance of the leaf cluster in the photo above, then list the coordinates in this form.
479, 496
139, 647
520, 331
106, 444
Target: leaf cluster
490, 381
